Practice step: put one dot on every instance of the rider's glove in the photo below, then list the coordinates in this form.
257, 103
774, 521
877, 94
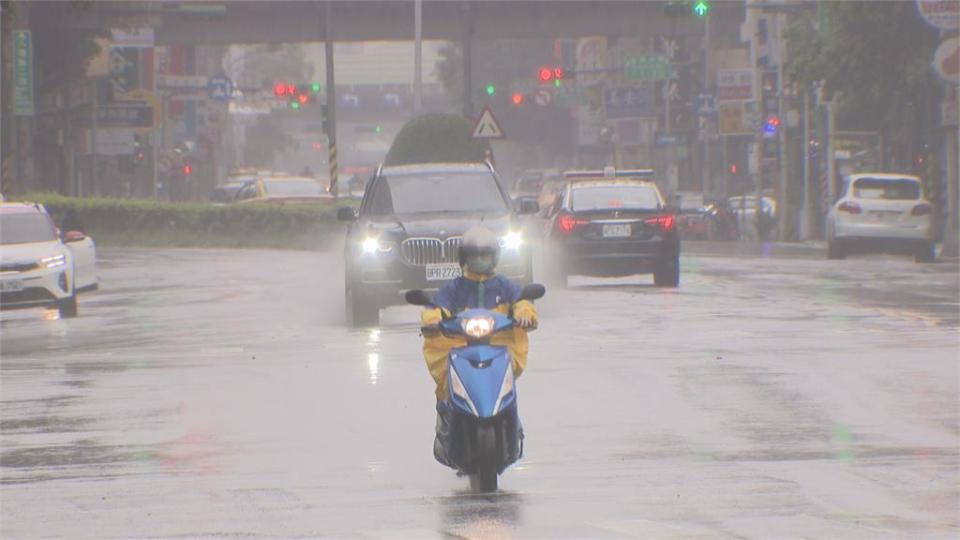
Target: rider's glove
525, 315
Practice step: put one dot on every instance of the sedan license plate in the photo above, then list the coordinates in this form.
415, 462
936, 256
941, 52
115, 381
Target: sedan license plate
617, 230
11, 285
443, 272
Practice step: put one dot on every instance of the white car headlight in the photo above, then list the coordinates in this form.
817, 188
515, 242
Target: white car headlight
53, 261
512, 241
478, 327
374, 245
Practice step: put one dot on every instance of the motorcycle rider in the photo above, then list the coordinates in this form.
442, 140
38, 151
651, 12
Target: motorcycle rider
479, 287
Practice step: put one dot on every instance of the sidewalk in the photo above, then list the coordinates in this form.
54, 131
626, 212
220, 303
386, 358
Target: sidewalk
790, 250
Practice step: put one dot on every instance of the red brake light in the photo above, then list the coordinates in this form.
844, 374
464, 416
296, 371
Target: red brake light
851, 207
665, 222
922, 209
567, 223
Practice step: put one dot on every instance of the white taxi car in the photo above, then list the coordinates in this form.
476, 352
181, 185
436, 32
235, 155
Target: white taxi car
881, 212
37, 266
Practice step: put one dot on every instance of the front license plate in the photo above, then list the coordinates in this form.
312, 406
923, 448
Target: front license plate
443, 272
616, 231
11, 285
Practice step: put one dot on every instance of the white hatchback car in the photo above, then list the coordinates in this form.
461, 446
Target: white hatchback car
881, 213
37, 267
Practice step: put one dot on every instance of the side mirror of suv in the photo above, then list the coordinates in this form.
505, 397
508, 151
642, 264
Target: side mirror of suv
346, 213
74, 236
417, 297
527, 206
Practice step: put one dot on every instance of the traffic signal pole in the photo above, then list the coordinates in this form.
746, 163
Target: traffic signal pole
331, 97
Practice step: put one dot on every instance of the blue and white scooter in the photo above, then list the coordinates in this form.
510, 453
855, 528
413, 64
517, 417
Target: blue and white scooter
485, 434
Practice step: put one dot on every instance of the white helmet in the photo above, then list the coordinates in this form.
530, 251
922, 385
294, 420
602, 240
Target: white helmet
479, 240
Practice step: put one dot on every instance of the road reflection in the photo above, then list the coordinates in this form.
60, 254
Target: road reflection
489, 516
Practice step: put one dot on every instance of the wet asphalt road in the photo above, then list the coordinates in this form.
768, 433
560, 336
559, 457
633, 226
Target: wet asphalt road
218, 394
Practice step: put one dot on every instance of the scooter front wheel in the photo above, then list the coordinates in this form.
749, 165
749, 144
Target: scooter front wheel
484, 480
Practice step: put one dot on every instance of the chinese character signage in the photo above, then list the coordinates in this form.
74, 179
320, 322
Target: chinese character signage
22, 73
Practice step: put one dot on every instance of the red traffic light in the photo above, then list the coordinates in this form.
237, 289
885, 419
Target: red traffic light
303, 98
545, 74
548, 74
734, 168
516, 98
187, 170
280, 89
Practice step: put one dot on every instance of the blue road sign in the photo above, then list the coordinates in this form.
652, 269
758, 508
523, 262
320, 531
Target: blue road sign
629, 102
219, 88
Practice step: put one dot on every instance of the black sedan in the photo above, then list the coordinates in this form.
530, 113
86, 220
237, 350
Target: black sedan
409, 227
614, 226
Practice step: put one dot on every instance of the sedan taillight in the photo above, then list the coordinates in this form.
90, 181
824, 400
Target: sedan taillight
567, 223
922, 209
665, 222
850, 207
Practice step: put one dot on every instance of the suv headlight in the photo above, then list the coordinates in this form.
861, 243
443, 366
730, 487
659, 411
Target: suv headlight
512, 240
375, 245
53, 261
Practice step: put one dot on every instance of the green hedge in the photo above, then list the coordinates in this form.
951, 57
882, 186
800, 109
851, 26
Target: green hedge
139, 222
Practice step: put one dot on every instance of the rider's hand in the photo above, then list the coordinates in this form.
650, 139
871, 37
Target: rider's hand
527, 323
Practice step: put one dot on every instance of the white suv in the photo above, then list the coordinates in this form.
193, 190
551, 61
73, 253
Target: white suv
881, 213
37, 267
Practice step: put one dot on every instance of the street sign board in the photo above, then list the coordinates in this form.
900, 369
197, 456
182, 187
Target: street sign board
487, 126
591, 59
734, 84
648, 68
22, 73
219, 88
731, 119
666, 140
181, 82
706, 105
124, 69
132, 37
946, 60
942, 14
130, 114
629, 102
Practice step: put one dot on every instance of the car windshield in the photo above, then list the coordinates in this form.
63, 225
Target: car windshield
900, 189
437, 192
297, 188
614, 198
26, 228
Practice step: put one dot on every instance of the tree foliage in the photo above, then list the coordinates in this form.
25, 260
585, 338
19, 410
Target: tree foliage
62, 51
436, 138
874, 57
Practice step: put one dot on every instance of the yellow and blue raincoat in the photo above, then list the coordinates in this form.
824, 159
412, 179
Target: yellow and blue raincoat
495, 293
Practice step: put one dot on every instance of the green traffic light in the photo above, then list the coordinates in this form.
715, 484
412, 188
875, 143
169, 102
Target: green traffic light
378, 129
491, 89
556, 83
701, 8
315, 87
294, 105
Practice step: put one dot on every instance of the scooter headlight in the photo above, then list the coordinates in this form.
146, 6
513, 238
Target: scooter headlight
478, 327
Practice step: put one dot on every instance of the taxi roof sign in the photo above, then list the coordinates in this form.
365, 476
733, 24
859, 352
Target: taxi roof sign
610, 172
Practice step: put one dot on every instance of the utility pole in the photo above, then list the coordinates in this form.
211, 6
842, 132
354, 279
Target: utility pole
807, 201
331, 96
466, 47
785, 211
831, 161
706, 180
417, 56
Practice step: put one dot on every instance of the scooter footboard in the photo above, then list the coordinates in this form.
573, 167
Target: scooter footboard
497, 440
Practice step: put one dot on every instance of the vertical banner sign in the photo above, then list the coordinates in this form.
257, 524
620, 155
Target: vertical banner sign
22, 73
